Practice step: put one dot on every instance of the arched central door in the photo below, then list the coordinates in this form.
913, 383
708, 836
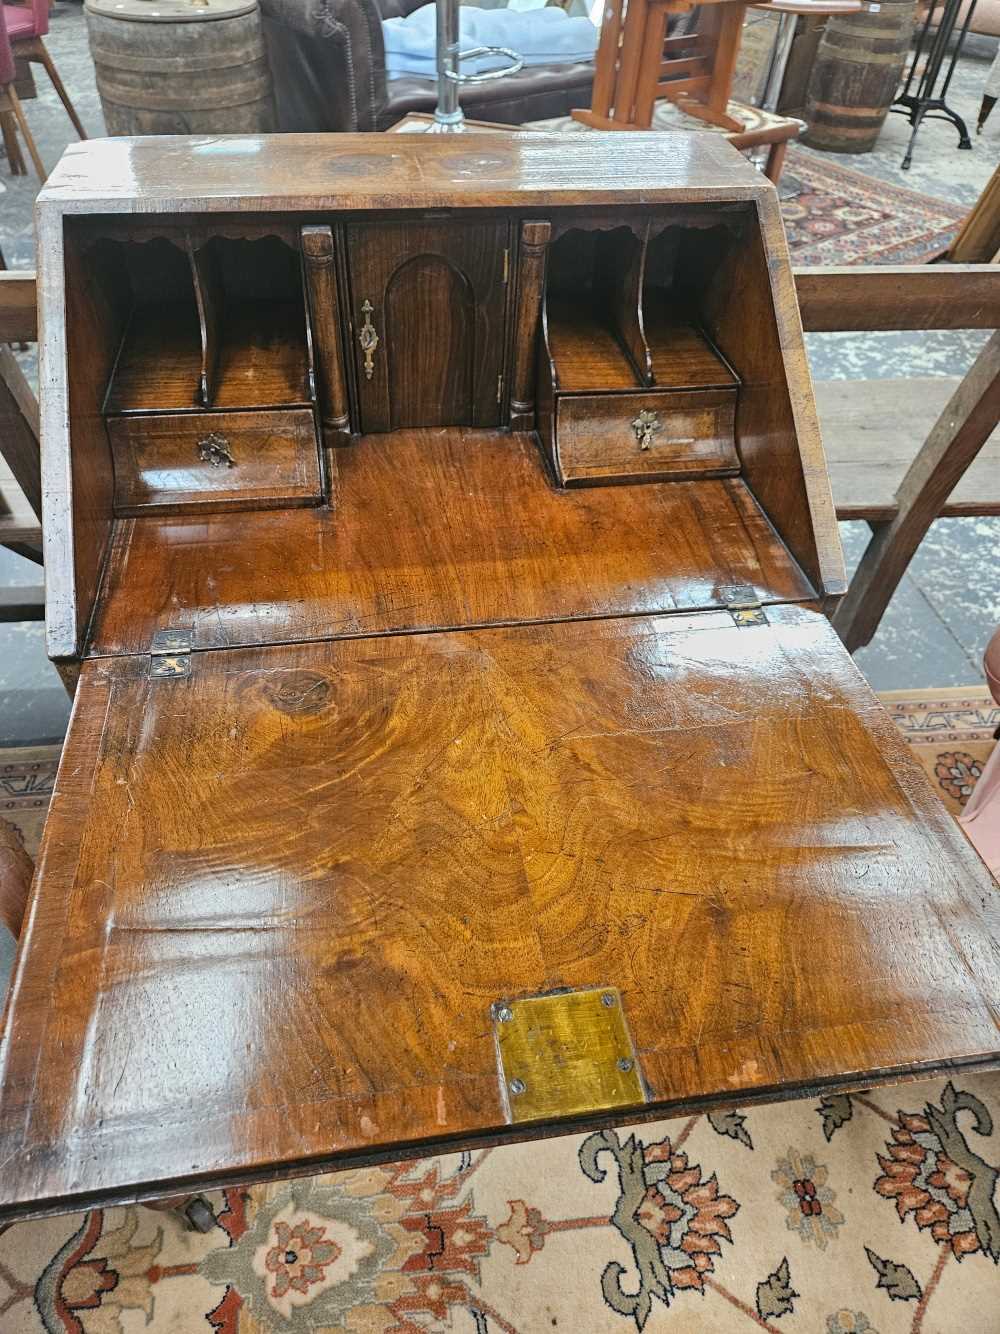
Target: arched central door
428, 313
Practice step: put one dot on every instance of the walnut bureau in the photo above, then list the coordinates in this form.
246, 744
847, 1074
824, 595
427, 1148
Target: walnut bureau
438, 539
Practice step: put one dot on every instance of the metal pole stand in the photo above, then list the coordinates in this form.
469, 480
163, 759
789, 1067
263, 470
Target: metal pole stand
448, 117
918, 106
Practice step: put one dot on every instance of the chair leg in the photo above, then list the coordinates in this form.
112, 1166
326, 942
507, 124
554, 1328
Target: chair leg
16, 869
15, 158
40, 52
957, 437
25, 129
775, 161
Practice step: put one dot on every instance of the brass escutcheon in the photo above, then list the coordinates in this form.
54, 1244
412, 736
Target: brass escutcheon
368, 338
214, 450
645, 427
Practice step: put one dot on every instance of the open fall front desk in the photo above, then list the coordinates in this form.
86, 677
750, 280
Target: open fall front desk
438, 538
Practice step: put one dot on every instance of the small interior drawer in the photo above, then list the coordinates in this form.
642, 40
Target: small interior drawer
659, 435
215, 460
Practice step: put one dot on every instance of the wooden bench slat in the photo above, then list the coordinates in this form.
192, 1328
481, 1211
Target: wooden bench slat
18, 313
872, 430
888, 296
18, 522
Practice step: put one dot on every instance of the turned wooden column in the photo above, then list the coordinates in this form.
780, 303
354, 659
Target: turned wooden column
319, 264
530, 288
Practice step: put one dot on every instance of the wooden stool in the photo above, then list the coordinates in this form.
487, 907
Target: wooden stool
637, 63
756, 128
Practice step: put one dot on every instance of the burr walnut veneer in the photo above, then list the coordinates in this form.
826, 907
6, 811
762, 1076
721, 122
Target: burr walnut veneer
438, 541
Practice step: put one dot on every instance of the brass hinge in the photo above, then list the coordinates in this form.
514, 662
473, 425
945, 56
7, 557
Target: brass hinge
170, 653
506, 266
748, 612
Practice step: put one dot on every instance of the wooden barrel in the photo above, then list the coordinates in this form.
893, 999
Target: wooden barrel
181, 66
855, 76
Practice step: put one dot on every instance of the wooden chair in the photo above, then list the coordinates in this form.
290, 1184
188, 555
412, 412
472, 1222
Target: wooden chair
12, 117
978, 242
20, 463
952, 473
27, 24
638, 65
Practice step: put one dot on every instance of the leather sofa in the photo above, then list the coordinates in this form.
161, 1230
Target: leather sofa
328, 64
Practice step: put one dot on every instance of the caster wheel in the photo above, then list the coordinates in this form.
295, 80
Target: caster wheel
199, 1215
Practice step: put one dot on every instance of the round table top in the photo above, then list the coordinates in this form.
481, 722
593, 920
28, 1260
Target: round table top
170, 11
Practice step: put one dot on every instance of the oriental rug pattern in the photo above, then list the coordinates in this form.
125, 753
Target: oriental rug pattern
874, 1213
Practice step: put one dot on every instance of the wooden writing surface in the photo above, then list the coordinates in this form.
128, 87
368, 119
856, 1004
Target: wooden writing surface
435, 529
280, 896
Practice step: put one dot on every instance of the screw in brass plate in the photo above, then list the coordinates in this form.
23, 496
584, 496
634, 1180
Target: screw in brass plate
504, 1014
624, 1064
607, 1000
517, 1086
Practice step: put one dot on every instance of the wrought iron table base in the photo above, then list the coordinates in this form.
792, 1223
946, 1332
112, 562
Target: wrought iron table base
919, 106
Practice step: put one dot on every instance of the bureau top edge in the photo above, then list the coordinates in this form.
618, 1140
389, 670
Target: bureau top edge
332, 171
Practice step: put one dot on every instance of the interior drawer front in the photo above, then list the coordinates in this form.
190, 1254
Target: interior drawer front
611, 437
215, 460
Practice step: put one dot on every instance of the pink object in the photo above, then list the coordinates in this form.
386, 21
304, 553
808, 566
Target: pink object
30, 20
6, 55
981, 817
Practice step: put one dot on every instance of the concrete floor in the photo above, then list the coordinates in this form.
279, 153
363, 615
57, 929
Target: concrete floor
947, 605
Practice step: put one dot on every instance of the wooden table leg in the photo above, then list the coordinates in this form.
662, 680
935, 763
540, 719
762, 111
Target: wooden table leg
960, 432
776, 160
648, 75
16, 870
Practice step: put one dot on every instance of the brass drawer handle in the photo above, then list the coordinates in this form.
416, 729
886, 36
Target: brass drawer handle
368, 338
645, 427
214, 449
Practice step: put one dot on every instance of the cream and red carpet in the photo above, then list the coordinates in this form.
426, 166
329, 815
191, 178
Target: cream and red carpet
869, 1214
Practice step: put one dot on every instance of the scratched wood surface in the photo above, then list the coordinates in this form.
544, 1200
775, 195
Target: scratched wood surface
477, 535
278, 897
273, 173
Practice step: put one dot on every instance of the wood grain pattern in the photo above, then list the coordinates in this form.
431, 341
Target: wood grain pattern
907, 296
15, 877
19, 430
964, 426
478, 536
166, 463
215, 985
327, 318
160, 367
263, 360
278, 173
749, 311
439, 301
80, 331
872, 431
18, 307
586, 354
691, 435
531, 255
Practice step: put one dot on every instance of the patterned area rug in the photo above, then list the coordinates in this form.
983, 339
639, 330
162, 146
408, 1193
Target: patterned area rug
834, 214
874, 1213
837, 215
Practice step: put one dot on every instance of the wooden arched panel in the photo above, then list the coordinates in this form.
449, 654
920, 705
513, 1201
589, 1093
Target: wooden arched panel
431, 376
431, 301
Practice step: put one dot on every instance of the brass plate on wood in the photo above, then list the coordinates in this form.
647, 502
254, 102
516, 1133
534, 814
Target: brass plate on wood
565, 1054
